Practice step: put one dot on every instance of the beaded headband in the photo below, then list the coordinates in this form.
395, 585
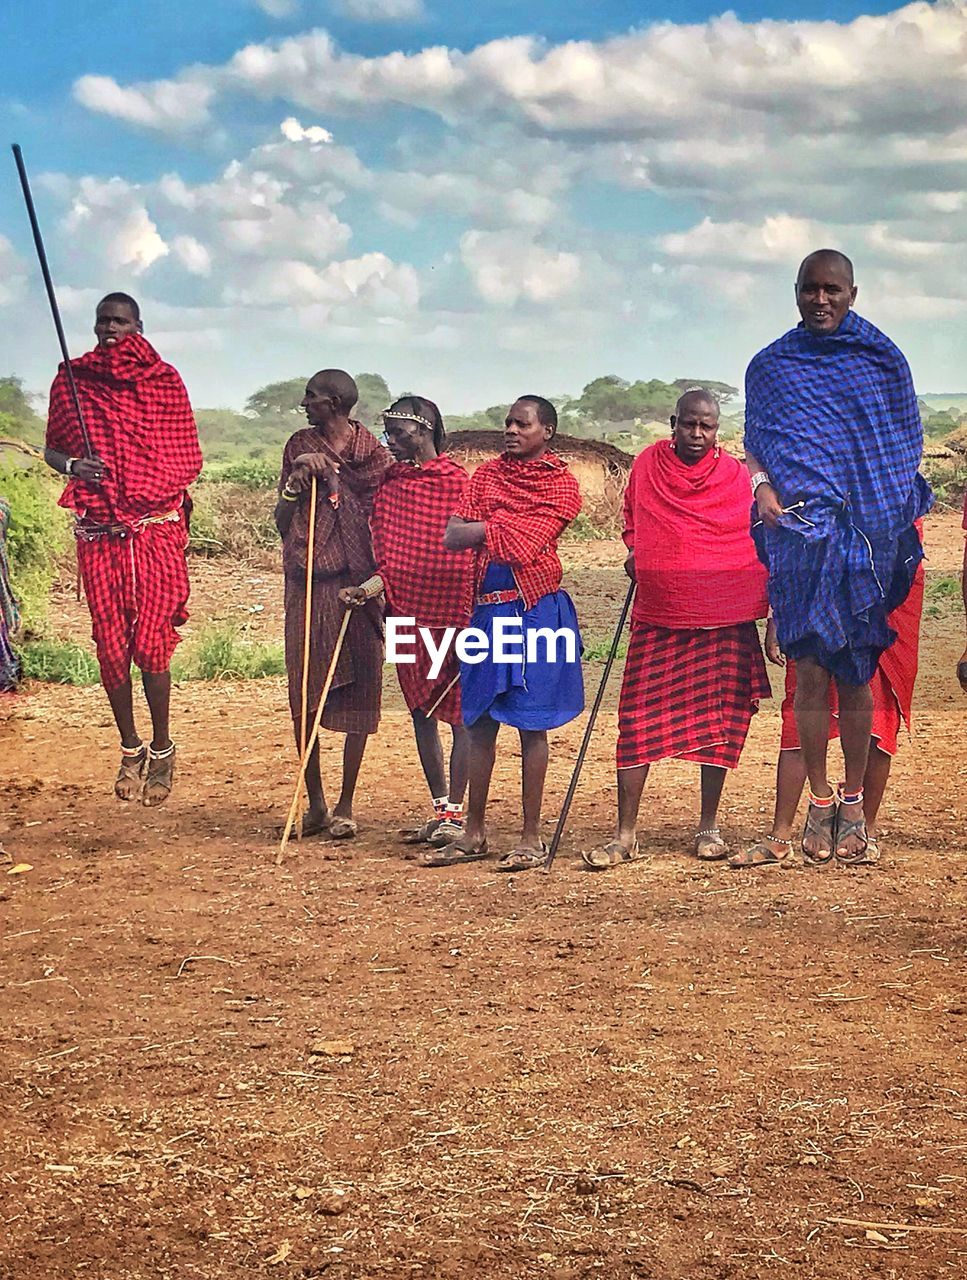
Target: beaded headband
407, 417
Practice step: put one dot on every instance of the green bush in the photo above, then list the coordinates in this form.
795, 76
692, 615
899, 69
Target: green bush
249, 473
59, 662
942, 595
222, 652
236, 520
39, 535
598, 648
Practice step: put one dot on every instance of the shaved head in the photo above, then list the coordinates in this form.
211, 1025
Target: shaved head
826, 257
695, 396
338, 384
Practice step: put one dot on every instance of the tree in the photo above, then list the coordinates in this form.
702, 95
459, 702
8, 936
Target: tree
17, 412
722, 391
605, 399
278, 399
374, 397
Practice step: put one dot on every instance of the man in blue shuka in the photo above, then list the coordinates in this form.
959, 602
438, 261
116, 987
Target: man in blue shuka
833, 441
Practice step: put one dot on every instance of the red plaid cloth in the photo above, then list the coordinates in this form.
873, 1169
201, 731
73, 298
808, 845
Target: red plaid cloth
139, 419
420, 693
410, 513
137, 590
688, 526
526, 506
892, 682
690, 694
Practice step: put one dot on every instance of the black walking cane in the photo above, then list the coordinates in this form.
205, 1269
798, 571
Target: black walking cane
559, 829
51, 297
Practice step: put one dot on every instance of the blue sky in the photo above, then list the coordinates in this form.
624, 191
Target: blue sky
476, 199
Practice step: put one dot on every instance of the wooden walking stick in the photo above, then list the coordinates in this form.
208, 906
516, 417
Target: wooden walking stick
579, 764
306, 640
442, 696
330, 675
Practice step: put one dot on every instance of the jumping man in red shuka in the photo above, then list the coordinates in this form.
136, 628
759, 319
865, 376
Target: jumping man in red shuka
131, 509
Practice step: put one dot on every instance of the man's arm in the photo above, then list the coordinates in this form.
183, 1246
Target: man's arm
763, 492
90, 470
462, 535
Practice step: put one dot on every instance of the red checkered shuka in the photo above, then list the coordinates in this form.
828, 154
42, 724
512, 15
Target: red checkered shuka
140, 424
410, 512
689, 694
526, 505
137, 590
688, 526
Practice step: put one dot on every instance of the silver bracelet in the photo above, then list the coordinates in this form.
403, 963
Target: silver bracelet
760, 477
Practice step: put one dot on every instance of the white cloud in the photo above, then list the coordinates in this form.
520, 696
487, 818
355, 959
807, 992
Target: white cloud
777, 239
13, 273
381, 10
171, 106
113, 222
293, 131
193, 255
373, 281
506, 267
278, 8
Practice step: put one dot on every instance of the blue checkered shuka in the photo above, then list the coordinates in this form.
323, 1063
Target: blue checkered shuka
834, 421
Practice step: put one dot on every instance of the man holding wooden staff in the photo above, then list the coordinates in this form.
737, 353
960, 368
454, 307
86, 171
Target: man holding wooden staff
330, 472
131, 506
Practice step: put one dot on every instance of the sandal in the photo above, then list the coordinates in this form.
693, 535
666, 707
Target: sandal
420, 835
161, 775
523, 859
447, 832
452, 855
851, 828
821, 818
130, 779
760, 855
343, 828
611, 855
312, 826
709, 845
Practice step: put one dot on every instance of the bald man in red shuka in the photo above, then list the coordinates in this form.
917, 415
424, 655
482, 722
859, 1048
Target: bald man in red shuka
131, 510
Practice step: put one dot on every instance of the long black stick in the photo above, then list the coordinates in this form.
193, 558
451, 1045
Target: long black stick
51, 297
579, 764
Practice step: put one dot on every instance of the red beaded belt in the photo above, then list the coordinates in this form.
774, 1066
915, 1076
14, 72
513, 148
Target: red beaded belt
498, 597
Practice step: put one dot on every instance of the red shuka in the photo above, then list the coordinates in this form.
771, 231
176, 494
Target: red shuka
410, 512
526, 505
140, 424
688, 526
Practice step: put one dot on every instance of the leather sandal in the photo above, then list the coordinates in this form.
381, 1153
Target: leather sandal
130, 779
610, 855
160, 776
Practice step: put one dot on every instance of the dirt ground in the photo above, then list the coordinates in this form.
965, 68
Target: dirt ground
351, 1067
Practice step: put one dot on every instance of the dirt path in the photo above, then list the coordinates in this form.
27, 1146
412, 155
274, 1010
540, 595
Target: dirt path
670, 1071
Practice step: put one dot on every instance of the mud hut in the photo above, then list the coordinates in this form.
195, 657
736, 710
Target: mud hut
600, 469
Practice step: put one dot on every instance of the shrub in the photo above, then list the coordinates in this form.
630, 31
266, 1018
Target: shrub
39, 536
222, 652
59, 662
249, 473
236, 520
